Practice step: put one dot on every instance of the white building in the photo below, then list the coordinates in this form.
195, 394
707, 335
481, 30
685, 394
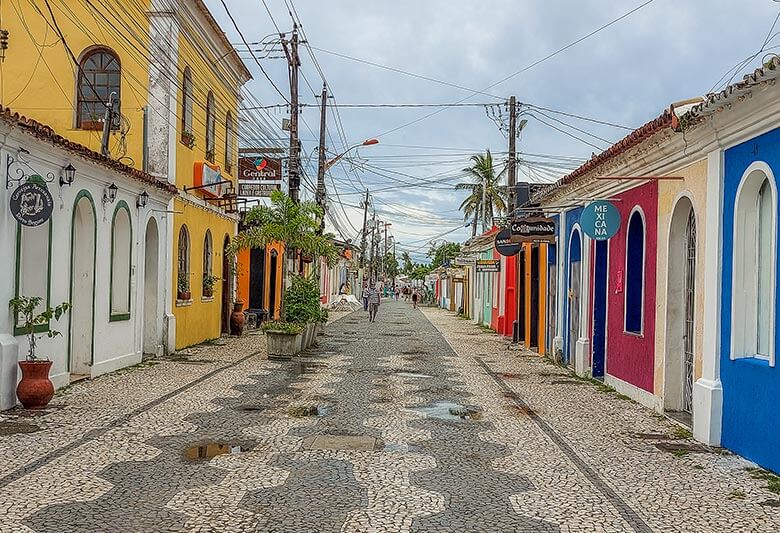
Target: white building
104, 250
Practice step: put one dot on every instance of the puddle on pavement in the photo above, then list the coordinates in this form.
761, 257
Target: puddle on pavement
680, 448
307, 367
414, 352
251, 407
413, 375
449, 411
8, 428
400, 447
302, 411
208, 451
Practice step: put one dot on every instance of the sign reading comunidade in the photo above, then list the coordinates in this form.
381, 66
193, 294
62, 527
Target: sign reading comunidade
533, 229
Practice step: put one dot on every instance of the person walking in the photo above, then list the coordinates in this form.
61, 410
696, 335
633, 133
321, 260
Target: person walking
373, 302
415, 298
365, 296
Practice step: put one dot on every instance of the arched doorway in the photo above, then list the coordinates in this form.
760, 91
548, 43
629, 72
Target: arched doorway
680, 311
151, 332
273, 280
575, 276
226, 286
82, 287
600, 270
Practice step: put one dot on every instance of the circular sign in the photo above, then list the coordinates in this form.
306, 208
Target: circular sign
504, 244
31, 204
600, 220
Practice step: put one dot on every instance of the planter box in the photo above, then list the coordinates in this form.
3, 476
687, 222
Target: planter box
284, 344
319, 329
308, 335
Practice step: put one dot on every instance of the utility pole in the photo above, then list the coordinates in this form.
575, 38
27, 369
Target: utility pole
372, 262
321, 167
512, 168
108, 122
294, 61
365, 232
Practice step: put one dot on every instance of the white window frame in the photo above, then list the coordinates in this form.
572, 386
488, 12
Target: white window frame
744, 320
636, 209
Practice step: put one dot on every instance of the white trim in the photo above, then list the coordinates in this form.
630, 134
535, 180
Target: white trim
641, 332
738, 258
638, 394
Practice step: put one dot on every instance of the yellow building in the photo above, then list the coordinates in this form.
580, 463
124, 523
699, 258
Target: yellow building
210, 75
174, 81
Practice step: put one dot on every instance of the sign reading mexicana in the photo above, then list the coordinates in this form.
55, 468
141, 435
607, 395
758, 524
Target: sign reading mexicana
31, 204
259, 168
533, 229
504, 244
488, 265
600, 220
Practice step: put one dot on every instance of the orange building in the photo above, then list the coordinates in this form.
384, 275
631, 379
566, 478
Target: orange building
260, 280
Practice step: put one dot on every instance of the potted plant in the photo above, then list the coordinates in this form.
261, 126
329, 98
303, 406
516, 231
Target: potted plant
35, 390
284, 338
188, 138
210, 155
208, 285
183, 287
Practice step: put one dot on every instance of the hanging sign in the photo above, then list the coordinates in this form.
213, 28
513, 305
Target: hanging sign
600, 220
206, 173
533, 229
259, 168
504, 244
31, 204
255, 189
488, 265
462, 261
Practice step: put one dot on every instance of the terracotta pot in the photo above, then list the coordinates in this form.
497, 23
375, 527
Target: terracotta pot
237, 319
184, 295
208, 292
35, 390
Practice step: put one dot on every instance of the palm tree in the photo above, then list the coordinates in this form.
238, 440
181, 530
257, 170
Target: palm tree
488, 196
295, 224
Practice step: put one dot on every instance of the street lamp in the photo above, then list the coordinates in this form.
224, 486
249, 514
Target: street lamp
367, 142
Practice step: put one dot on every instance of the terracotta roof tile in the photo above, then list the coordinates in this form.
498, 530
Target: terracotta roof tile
46, 133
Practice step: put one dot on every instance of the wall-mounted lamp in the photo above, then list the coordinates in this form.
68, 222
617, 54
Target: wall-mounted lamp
142, 199
67, 175
109, 195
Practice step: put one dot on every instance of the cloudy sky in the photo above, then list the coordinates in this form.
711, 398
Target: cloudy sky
624, 75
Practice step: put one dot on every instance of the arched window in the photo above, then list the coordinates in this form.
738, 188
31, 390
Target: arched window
755, 237
183, 274
98, 78
187, 102
208, 253
635, 273
229, 142
121, 262
211, 122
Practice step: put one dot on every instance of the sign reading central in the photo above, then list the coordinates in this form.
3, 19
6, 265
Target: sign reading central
259, 168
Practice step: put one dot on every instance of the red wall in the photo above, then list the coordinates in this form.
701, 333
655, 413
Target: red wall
510, 298
630, 357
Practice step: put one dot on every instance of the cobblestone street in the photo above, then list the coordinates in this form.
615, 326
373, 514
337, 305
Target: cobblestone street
418, 422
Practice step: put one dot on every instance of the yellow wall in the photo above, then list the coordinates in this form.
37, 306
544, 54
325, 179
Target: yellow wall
201, 318
694, 185
45, 89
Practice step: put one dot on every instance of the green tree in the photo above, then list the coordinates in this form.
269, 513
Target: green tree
408, 264
294, 224
420, 271
391, 265
439, 254
487, 197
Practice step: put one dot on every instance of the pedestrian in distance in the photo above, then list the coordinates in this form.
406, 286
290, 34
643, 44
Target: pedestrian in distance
415, 298
373, 302
365, 296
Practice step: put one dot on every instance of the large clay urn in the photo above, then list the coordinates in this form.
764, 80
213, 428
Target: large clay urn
237, 318
35, 390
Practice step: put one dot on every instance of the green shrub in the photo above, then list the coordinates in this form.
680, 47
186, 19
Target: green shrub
302, 301
283, 327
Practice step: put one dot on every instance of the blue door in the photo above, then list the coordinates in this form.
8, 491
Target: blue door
599, 309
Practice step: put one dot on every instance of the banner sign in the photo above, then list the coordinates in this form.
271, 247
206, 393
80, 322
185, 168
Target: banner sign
206, 174
533, 229
259, 168
488, 265
600, 220
504, 244
463, 261
255, 189
31, 204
